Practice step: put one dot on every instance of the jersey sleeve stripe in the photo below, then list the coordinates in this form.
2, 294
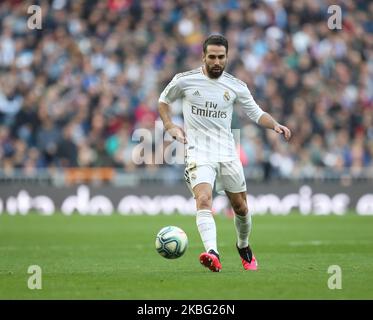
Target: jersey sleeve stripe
187, 73
235, 79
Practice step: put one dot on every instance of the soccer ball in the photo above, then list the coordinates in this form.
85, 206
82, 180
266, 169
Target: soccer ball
171, 242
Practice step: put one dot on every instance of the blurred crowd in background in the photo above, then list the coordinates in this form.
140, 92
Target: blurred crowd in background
72, 93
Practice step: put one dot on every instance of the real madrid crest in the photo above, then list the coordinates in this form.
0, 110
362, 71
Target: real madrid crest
226, 96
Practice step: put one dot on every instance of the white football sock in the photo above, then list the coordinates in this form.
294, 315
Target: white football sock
243, 228
207, 229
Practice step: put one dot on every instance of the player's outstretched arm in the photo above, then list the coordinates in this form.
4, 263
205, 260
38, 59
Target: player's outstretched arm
175, 131
268, 122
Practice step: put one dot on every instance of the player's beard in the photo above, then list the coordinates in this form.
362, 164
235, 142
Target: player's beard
214, 72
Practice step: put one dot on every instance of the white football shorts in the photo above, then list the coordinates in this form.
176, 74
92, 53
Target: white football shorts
226, 176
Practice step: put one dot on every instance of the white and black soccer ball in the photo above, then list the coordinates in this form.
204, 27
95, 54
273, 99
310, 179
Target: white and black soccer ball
171, 242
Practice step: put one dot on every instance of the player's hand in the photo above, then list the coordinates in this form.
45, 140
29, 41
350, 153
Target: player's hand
283, 130
177, 133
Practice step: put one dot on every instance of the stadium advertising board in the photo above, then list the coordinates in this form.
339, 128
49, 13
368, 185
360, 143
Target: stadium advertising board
274, 199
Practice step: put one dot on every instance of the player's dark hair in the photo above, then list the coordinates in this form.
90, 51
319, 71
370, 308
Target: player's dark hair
216, 39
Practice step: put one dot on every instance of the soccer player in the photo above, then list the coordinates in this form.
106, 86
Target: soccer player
208, 95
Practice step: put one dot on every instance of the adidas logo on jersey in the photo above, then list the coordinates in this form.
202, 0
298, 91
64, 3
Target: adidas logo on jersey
196, 93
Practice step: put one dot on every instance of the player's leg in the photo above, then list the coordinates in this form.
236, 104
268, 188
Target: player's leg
206, 227
234, 183
242, 218
204, 219
200, 180
242, 223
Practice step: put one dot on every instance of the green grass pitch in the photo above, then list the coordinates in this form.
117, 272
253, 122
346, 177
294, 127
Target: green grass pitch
114, 257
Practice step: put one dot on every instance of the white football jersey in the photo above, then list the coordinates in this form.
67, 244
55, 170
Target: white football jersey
207, 110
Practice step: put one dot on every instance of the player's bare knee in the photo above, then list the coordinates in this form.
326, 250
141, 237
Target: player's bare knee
240, 208
204, 201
